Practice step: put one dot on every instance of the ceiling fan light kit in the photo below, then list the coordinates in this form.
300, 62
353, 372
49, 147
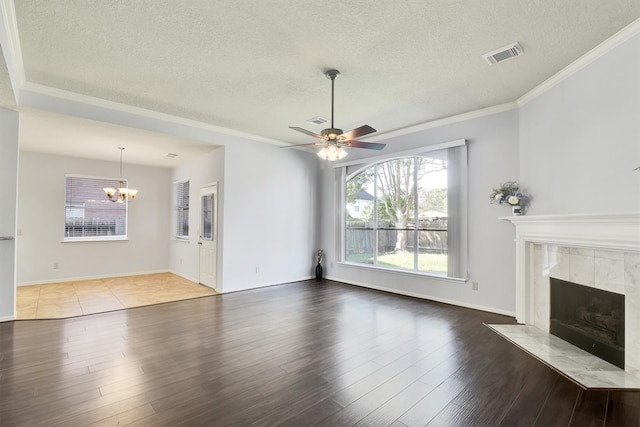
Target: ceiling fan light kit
332, 153
333, 139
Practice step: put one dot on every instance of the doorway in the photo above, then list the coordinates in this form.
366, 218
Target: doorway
208, 241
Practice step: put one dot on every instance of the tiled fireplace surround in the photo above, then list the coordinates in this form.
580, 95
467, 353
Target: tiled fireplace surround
601, 251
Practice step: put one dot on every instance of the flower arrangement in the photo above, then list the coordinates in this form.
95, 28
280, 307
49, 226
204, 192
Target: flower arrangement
319, 256
507, 193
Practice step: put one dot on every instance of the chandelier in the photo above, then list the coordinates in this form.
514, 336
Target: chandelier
122, 193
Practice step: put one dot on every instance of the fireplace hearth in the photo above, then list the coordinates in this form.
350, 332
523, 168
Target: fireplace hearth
589, 318
599, 251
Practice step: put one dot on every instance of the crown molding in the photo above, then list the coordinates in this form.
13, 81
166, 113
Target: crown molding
444, 121
606, 46
11, 46
34, 93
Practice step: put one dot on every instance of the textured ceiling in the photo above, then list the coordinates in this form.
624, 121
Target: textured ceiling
257, 66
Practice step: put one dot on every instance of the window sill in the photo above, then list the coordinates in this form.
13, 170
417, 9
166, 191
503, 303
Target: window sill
181, 239
95, 240
404, 272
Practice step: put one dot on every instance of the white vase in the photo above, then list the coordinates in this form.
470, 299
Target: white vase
516, 210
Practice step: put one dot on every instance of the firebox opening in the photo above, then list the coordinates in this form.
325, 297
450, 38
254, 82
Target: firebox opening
589, 318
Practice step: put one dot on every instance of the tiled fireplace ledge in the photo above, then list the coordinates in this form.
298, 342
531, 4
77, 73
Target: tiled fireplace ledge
584, 369
586, 233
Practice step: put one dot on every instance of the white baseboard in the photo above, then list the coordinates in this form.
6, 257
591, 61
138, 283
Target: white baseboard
102, 276
7, 318
427, 297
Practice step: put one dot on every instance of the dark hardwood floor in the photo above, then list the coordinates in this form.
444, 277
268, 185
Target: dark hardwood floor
301, 354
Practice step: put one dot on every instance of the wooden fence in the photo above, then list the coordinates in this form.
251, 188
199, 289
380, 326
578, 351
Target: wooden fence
360, 237
79, 227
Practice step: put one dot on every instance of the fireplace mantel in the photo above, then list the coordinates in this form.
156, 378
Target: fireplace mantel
612, 231
619, 231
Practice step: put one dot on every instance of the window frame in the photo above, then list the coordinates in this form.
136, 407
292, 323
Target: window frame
107, 182
368, 162
179, 209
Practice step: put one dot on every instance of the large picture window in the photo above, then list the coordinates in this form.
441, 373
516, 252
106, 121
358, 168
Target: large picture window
89, 215
409, 213
182, 209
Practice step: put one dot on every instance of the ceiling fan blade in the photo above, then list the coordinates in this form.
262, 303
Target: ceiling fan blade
308, 132
367, 145
303, 145
358, 132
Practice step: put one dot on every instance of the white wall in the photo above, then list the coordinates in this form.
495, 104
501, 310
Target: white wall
207, 169
267, 215
492, 158
270, 215
9, 179
41, 198
580, 141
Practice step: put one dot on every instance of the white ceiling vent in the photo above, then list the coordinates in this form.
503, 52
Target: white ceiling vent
317, 120
504, 53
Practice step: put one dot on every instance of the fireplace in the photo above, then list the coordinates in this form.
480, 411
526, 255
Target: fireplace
598, 251
589, 318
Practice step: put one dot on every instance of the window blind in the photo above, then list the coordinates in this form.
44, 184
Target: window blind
182, 209
89, 215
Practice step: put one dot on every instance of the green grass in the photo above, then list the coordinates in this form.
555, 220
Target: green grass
436, 263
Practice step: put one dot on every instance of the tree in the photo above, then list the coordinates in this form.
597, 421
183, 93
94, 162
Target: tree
433, 200
395, 182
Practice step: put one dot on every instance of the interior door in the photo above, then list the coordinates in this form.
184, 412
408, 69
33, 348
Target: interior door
208, 235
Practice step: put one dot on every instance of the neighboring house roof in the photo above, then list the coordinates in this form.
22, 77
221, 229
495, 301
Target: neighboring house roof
363, 195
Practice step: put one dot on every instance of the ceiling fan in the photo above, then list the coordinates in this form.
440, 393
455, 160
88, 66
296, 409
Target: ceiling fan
332, 139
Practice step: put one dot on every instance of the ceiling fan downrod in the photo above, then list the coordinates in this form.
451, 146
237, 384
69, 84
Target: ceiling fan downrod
332, 75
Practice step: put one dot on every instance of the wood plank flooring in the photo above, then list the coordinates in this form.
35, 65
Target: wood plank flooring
80, 297
299, 354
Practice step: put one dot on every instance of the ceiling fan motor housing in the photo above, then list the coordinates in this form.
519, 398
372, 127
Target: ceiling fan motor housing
331, 133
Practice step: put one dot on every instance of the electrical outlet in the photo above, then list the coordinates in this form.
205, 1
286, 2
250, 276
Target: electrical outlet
257, 270
55, 265
180, 261
474, 286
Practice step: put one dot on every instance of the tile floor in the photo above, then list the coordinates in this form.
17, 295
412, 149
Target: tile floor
68, 299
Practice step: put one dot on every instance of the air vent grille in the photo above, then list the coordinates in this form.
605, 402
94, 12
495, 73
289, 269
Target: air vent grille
503, 54
317, 120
